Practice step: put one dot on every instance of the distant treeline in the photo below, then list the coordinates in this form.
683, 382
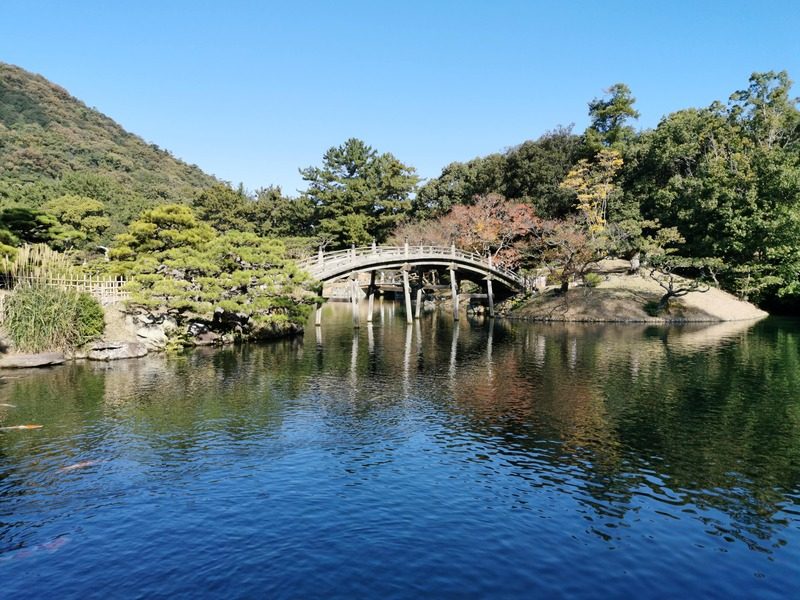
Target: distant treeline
714, 191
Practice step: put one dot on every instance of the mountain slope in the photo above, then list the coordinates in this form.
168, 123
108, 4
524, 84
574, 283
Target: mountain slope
52, 143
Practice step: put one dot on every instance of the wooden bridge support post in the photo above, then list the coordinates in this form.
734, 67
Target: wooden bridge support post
418, 311
407, 294
454, 291
354, 294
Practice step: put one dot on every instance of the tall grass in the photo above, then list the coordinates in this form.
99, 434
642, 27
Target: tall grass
41, 317
38, 262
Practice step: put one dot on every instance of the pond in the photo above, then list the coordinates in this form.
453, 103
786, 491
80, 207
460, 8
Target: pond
478, 459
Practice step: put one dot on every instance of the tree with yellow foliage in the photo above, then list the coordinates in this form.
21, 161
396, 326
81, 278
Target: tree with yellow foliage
592, 182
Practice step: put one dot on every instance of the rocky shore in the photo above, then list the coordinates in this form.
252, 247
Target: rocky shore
126, 336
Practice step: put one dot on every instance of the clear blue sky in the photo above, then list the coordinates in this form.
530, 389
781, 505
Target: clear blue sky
251, 91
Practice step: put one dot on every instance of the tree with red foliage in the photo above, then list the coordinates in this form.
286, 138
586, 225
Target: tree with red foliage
491, 225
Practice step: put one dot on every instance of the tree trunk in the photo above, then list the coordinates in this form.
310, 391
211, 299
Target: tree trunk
663, 303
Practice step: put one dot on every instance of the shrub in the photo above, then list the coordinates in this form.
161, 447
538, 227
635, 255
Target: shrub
592, 279
41, 317
653, 308
90, 318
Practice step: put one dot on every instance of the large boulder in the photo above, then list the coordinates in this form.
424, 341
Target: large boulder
117, 350
153, 337
25, 361
272, 331
207, 338
151, 330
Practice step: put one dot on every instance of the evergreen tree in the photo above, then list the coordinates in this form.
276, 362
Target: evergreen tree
358, 194
609, 126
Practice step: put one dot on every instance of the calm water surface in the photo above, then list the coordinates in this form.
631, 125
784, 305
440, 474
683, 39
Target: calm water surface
478, 460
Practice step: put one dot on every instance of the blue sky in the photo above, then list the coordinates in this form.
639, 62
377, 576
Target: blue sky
251, 91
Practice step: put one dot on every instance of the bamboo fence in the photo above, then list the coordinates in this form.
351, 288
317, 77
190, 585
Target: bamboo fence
105, 289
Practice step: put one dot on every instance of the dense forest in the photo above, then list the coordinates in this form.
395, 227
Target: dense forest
710, 192
713, 191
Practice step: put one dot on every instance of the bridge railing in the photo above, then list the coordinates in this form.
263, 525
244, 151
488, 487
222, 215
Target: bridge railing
366, 254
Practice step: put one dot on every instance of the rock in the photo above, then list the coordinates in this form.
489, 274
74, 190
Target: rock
24, 361
117, 350
78, 353
196, 328
273, 331
153, 337
207, 338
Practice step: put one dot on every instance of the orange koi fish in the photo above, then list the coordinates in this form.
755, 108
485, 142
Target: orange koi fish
80, 465
12, 427
51, 546
4, 405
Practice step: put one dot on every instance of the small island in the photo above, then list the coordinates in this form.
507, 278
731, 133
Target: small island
616, 295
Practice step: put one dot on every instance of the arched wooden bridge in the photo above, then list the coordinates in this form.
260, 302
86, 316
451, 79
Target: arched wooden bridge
344, 264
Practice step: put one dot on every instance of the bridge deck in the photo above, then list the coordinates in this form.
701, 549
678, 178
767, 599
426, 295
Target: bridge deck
328, 266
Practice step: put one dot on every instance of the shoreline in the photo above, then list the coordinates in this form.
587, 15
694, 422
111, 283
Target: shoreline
651, 321
620, 299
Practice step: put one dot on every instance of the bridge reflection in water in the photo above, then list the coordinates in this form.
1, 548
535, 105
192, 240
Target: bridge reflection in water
464, 345
404, 268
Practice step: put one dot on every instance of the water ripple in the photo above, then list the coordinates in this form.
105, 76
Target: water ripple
487, 461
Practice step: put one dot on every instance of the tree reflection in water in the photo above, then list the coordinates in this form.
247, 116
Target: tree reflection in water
698, 418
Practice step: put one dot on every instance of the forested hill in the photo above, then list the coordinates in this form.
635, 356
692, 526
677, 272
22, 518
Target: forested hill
53, 144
